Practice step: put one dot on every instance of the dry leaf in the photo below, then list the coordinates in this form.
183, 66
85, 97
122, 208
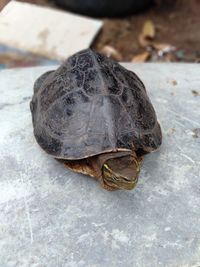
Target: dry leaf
144, 42
148, 33
141, 57
148, 30
110, 51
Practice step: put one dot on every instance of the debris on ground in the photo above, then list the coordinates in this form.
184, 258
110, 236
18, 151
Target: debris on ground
171, 131
148, 30
174, 82
143, 57
196, 133
110, 51
147, 35
195, 93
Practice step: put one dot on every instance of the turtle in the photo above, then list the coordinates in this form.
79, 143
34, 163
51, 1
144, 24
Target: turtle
95, 116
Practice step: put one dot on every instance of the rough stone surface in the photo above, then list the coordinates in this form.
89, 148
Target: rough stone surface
50, 216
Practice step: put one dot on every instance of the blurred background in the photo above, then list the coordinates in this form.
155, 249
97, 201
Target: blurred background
130, 30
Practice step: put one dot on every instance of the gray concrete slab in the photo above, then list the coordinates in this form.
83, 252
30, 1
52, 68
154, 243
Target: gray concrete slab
50, 216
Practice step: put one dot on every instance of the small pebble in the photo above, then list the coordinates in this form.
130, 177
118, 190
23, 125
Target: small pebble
195, 93
196, 133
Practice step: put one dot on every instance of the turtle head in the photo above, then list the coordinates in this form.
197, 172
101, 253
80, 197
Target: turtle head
121, 172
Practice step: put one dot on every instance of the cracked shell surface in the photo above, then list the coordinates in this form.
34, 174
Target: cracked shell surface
91, 105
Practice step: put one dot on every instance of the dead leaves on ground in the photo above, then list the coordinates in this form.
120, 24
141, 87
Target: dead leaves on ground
141, 57
148, 30
110, 51
153, 50
147, 34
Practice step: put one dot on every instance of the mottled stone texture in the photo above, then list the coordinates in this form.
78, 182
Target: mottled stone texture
52, 217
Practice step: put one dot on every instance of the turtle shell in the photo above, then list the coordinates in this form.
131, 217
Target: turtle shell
91, 105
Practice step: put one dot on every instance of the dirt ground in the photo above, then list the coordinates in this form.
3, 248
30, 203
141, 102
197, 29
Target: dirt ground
176, 24
176, 33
